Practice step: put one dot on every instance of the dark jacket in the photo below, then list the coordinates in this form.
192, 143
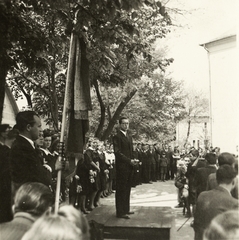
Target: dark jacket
123, 149
5, 185
210, 204
212, 183
201, 177
26, 164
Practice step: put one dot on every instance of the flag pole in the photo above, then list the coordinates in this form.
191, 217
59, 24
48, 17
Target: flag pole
64, 114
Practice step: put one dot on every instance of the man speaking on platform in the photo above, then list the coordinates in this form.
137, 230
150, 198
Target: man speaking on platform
123, 149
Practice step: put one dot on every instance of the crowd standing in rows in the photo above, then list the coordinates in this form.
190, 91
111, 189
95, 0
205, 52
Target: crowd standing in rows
29, 165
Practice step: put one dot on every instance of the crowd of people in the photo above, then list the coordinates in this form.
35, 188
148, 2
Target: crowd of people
208, 191
206, 181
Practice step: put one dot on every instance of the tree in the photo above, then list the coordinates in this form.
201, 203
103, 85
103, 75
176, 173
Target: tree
126, 58
18, 40
153, 111
120, 52
196, 106
42, 82
124, 37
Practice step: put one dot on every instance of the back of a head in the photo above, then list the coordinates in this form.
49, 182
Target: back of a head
12, 134
23, 119
195, 152
53, 227
33, 198
76, 217
225, 174
226, 158
211, 158
224, 226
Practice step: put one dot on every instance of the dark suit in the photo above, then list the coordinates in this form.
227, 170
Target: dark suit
123, 149
212, 183
201, 177
210, 204
26, 164
5, 185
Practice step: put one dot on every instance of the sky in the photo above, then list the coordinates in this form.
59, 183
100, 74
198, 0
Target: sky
201, 22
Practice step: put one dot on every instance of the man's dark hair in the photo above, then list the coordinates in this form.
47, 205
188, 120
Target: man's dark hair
225, 174
195, 152
47, 133
122, 118
34, 198
25, 118
211, 158
226, 158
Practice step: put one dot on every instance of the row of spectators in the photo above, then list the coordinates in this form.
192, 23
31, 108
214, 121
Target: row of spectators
207, 187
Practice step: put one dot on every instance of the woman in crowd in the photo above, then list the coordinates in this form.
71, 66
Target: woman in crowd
110, 177
102, 174
91, 156
86, 171
49, 157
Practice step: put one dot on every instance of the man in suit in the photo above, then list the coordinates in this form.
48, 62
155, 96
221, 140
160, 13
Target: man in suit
211, 203
31, 201
202, 173
26, 162
224, 158
123, 149
5, 177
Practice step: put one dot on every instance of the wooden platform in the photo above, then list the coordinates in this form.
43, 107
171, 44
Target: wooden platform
147, 223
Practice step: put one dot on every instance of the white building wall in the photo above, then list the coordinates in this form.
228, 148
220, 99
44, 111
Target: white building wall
224, 90
9, 109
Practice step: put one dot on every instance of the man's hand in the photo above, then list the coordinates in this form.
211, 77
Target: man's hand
60, 165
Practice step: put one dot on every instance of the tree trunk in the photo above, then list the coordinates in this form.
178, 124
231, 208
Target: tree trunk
27, 96
188, 133
99, 130
117, 113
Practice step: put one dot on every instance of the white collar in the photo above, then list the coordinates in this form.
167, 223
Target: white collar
46, 151
29, 140
124, 132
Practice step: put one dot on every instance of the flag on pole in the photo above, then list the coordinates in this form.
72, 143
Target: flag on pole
78, 99
77, 104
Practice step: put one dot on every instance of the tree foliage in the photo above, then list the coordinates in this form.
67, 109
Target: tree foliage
120, 37
157, 105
